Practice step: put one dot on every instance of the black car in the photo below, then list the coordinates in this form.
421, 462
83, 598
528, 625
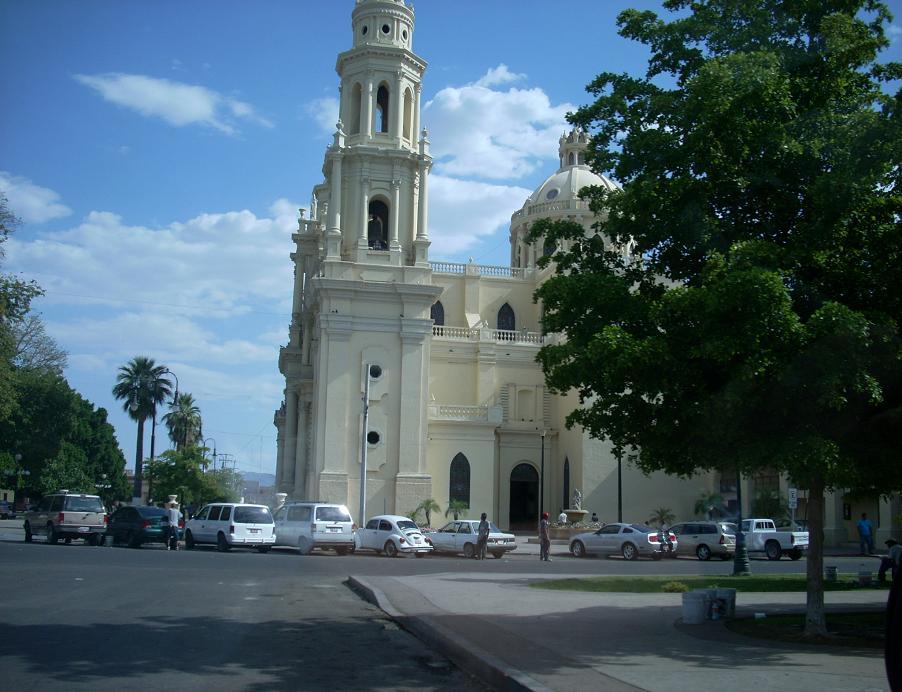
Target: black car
135, 526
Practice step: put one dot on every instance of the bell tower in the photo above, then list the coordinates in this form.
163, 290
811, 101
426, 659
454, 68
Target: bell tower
363, 285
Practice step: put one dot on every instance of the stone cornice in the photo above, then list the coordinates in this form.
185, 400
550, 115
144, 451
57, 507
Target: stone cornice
409, 59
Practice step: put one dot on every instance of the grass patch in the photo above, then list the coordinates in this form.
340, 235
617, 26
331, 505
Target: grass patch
863, 630
754, 583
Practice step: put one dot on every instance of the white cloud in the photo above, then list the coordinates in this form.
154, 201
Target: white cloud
498, 75
177, 103
499, 135
31, 203
324, 112
462, 211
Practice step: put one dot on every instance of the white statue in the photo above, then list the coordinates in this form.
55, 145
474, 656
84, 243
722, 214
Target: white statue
577, 499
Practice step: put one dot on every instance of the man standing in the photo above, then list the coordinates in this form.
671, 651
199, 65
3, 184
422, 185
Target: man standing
544, 539
892, 562
482, 537
865, 535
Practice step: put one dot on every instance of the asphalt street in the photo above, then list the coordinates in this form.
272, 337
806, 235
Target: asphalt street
78, 617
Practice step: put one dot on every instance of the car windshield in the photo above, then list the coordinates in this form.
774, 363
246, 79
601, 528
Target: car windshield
728, 528
332, 514
407, 525
643, 528
84, 504
252, 515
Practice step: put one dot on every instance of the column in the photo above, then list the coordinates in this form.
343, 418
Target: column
423, 205
395, 212
362, 241
291, 433
367, 107
300, 456
416, 111
396, 106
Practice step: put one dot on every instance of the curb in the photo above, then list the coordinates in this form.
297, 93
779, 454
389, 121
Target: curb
458, 650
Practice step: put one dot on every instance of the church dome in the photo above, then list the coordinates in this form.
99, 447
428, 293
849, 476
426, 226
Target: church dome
566, 184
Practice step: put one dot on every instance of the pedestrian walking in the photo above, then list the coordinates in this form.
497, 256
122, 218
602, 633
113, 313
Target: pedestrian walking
172, 509
892, 562
544, 539
865, 535
482, 537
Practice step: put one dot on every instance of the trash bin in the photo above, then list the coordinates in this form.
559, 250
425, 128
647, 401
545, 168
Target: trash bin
830, 572
727, 600
695, 607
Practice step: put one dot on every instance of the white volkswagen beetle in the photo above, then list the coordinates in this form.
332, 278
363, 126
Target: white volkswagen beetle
460, 537
392, 535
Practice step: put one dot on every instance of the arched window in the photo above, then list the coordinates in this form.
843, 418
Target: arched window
459, 485
566, 503
570, 159
506, 318
354, 120
548, 248
438, 314
408, 113
377, 227
382, 109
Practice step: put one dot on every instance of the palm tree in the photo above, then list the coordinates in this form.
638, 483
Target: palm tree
141, 385
707, 502
456, 507
428, 507
184, 421
661, 516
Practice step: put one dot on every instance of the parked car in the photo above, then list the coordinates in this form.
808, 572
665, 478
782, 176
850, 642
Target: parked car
762, 536
629, 540
705, 538
67, 515
393, 535
136, 526
230, 524
459, 536
306, 525
7, 511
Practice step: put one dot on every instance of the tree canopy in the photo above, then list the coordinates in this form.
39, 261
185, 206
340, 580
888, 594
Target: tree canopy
755, 320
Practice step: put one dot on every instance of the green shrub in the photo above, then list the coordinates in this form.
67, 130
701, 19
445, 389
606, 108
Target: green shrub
674, 587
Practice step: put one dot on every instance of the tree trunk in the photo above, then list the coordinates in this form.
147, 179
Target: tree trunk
153, 435
815, 617
139, 459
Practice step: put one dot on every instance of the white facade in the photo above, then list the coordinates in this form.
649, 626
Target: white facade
460, 400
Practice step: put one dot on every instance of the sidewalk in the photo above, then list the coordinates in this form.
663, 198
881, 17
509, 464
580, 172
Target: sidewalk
515, 637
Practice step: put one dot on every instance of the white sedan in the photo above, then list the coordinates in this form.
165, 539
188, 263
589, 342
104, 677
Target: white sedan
392, 535
460, 537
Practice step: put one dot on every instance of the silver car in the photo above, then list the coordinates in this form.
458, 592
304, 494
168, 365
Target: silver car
629, 540
706, 538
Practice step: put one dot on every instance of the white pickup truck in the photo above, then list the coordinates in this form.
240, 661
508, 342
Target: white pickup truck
761, 536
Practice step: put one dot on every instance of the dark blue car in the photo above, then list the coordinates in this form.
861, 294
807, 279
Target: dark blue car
135, 526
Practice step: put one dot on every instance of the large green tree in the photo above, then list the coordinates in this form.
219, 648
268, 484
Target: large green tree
755, 320
141, 385
180, 472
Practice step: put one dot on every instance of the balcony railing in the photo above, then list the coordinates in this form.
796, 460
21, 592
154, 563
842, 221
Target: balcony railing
501, 336
472, 269
475, 414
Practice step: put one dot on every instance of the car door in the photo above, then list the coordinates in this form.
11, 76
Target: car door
606, 540
278, 519
366, 536
464, 535
383, 533
443, 539
207, 527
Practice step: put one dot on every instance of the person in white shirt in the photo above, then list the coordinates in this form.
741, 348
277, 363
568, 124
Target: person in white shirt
562, 517
174, 516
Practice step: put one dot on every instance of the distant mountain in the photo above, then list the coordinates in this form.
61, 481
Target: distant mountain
266, 480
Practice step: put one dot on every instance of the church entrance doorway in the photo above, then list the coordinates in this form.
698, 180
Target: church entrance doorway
524, 498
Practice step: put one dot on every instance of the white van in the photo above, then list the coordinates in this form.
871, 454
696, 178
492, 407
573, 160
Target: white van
309, 525
228, 524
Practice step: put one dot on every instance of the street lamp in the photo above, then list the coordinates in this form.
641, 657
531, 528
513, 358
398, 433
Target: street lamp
204, 445
175, 398
542, 478
741, 566
373, 372
619, 487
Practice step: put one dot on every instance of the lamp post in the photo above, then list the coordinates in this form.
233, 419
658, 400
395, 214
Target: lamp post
741, 566
542, 477
175, 399
372, 372
620, 487
204, 444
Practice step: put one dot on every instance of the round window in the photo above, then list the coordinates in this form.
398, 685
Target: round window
364, 30
404, 34
386, 29
372, 437
552, 193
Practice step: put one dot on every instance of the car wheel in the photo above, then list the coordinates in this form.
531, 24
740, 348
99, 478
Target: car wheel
391, 550
497, 554
94, 539
67, 540
772, 550
189, 540
305, 545
27, 532
629, 551
263, 548
703, 553
133, 540
726, 556
656, 556
469, 550
577, 549
222, 544
52, 538
342, 551
795, 554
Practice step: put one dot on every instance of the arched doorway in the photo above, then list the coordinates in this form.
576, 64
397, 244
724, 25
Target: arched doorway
524, 498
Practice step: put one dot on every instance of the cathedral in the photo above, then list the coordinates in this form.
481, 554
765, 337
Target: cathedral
424, 372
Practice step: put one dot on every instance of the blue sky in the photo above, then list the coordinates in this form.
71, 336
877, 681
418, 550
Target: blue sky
157, 154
